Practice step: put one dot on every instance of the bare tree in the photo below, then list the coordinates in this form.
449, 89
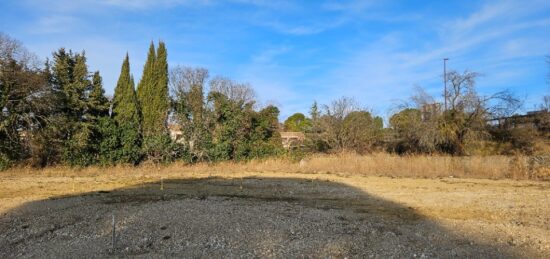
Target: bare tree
13, 49
545, 106
341, 107
461, 92
239, 92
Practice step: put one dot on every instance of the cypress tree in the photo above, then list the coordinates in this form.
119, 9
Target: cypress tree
125, 105
146, 91
160, 97
127, 117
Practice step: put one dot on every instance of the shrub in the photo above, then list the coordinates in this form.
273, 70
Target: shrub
161, 149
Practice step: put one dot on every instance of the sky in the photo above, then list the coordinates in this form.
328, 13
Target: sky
297, 52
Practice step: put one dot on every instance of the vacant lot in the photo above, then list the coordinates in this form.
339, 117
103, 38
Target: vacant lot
212, 213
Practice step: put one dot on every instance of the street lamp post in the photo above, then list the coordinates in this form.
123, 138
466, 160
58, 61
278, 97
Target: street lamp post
445, 81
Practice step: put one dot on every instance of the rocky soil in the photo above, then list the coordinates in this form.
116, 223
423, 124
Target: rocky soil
263, 215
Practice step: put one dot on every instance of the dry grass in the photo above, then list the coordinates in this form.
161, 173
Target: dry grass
499, 212
378, 164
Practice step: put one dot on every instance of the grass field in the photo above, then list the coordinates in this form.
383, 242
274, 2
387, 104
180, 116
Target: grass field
347, 206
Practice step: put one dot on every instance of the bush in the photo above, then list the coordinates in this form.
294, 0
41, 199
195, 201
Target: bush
161, 149
523, 139
118, 144
5, 162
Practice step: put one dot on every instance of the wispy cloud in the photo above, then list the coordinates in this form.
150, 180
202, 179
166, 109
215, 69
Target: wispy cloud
387, 69
143, 4
54, 24
296, 51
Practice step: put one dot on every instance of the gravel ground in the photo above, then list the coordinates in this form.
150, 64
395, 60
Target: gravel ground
261, 217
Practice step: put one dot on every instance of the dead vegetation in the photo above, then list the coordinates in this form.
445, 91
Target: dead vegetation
516, 167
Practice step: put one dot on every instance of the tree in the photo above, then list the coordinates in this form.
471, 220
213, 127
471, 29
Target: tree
47, 109
97, 104
161, 94
125, 103
423, 127
360, 131
187, 86
298, 122
331, 122
152, 92
314, 112
77, 132
265, 138
415, 134
344, 126
232, 90
231, 129
126, 114
25, 100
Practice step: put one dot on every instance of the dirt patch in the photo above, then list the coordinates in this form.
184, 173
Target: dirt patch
272, 215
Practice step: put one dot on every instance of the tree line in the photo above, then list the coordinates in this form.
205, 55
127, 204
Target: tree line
472, 124
57, 113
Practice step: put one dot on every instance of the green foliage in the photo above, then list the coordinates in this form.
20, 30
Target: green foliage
130, 144
240, 133
231, 127
97, 103
298, 122
125, 103
119, 144
5, 161
84, 103
80, 149
126, 114
161, 149
361, 131
195, 119
59, 114
109, 147
265, 138
153, 91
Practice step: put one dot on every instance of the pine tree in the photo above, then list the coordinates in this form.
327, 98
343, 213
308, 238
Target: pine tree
98, 104
76, 130
79, 86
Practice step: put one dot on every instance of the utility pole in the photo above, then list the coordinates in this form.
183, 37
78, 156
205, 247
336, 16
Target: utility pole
445, 81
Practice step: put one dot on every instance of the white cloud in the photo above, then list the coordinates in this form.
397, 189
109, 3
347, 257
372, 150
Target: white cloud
387, 69
143, 4
53, 24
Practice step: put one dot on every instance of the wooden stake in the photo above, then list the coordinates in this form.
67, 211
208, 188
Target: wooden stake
114, 233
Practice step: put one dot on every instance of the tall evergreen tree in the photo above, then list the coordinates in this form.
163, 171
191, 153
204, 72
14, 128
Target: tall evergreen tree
79, 86
126, 114
98, 104
76, 128
125, 104
161, 103
146, 92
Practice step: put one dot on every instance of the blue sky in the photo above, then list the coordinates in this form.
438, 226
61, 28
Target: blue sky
295, 52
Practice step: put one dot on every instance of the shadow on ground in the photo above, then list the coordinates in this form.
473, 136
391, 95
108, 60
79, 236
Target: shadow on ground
217, 217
